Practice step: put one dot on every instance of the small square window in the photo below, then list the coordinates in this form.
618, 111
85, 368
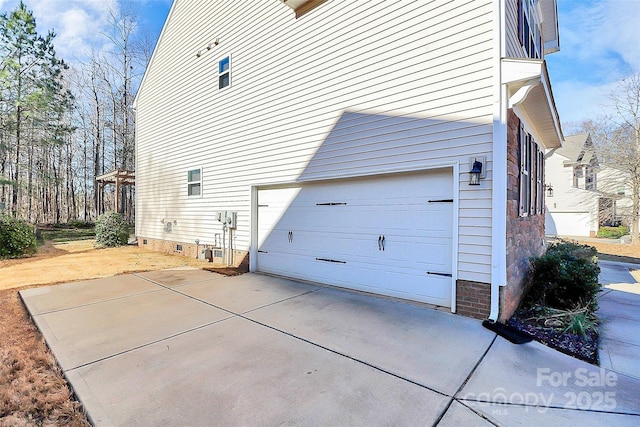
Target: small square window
224, 72
223, 65
194, 182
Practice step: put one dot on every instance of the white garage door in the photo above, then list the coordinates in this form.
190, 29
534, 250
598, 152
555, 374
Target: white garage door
390, 235
567, 224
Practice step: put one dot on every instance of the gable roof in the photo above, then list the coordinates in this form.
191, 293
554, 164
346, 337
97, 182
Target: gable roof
578, 149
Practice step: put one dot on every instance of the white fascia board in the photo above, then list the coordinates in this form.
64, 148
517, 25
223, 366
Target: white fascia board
517, 71
523, 78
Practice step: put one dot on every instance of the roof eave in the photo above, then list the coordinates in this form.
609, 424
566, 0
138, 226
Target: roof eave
531, 97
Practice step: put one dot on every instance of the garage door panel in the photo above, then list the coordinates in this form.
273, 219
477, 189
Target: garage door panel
397, 248
329, 233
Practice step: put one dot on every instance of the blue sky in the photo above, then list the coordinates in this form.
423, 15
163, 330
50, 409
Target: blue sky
599, 45
599, 42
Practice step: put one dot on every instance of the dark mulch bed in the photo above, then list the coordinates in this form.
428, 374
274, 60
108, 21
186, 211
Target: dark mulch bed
583, 348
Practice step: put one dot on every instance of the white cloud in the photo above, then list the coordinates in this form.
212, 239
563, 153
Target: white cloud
79, 25
577, 101
598, 48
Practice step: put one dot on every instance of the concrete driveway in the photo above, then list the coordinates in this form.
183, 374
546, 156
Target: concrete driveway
189, 347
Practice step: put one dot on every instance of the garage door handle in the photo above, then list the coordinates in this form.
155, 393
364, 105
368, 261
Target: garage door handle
381, 242
290, 238
440, 274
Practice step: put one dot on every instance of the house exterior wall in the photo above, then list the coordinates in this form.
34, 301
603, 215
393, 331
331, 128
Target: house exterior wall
524, 233
569, 204
512, 44
616, 184
348, 89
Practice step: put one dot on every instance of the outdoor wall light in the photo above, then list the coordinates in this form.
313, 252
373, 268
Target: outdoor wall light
477, 170
549, 189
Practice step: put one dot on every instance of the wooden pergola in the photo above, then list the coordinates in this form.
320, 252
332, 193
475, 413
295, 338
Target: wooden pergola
119, 178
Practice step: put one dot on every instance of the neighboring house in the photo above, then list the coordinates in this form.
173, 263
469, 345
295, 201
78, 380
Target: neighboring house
616, 205
573, 200
343, 135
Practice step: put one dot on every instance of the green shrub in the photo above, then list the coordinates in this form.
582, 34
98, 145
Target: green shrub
613, 232
565, 277
581, 324
111, 230
16, 238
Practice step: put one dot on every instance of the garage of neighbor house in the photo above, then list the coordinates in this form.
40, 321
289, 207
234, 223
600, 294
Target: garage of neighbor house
391, 235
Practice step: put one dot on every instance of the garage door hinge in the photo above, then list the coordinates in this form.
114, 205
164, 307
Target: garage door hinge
332, 204
331, 260
440, 274
441, 201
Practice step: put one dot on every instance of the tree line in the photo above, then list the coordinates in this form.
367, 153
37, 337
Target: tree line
63, 126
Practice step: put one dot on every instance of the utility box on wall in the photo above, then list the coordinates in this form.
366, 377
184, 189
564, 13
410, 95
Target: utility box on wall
227, 218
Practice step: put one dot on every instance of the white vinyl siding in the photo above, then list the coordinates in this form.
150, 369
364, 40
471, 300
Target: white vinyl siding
367, 88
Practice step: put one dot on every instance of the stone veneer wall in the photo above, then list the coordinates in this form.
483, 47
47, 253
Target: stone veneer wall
525, 235
241, 258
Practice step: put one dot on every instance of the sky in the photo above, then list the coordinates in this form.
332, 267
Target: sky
599, 42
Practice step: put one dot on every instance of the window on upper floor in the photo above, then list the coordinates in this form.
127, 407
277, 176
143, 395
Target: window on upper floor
224, 72
194, 182
531, 175
529, 28
590, 179
578, 173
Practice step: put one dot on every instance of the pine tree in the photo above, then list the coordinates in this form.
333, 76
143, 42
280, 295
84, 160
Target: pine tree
33, 102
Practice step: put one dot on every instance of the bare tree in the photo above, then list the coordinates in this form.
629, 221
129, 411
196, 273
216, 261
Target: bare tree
617, 137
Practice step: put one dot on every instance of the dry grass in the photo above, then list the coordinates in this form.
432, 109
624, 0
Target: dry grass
33, 390
617, 251
79, 260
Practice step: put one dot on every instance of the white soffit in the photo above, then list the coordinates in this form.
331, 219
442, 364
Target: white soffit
302, 6
550, 34
531, 98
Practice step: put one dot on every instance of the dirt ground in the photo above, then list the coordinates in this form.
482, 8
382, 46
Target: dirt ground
79, 260
33, 391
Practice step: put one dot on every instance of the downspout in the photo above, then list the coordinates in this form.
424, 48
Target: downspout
500, 178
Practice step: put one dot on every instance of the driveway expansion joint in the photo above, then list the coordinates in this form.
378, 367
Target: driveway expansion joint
242, 316
466, 380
